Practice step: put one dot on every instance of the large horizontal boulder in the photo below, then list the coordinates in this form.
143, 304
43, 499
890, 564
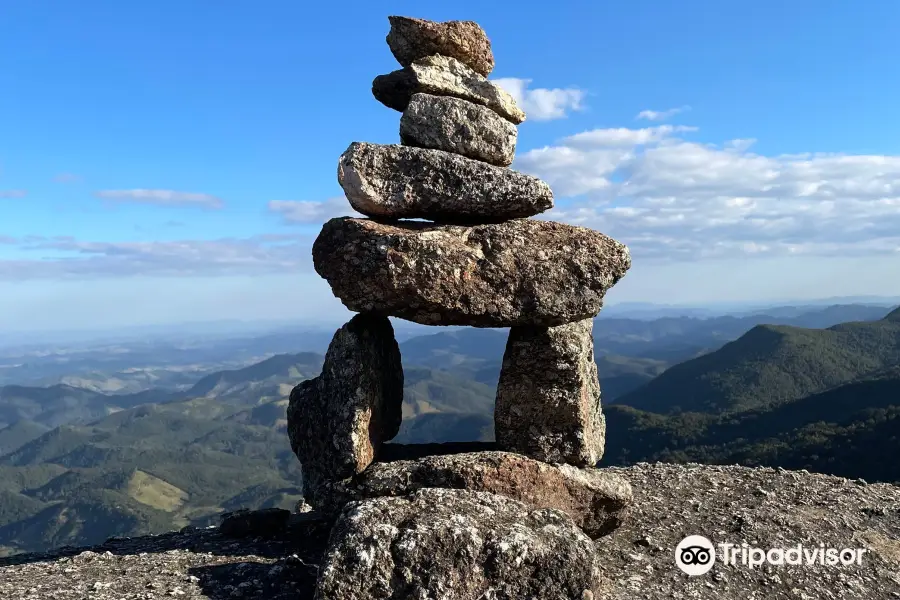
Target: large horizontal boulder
336, 421
459, 545
411, 39
522, 272
458, 126
402, 182
595, 499
444, 76
548, 396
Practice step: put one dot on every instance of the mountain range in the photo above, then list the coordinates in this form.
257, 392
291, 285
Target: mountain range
825, 400
809, 391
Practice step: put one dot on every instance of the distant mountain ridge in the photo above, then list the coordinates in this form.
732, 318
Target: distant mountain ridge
770, 365
851, 430
77, 464
296, 366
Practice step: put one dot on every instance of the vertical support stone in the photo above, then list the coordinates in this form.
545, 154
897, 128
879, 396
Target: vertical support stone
548, 397
337, 421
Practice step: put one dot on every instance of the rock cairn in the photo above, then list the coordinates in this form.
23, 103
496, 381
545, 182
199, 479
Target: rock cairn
473, 258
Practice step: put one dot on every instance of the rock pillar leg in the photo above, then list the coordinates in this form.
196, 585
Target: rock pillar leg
548, 397
337, 420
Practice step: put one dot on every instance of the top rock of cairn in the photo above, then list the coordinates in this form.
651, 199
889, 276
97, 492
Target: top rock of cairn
411, 39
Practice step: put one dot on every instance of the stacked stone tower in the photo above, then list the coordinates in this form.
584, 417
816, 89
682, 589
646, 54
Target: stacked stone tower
471, 256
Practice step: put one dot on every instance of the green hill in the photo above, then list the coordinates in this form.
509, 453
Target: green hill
447, 427
268, 414
92, 516
291, 367
770, 365
23, 478
159, 466
18, 434
852, 430
431, 390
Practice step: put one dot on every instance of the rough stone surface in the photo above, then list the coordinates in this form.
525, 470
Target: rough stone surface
548, 397
337, 420
411, 39
594, 499
444, 76
768, 508
458, 126
402, 182
456, 545
190, 564
523, 272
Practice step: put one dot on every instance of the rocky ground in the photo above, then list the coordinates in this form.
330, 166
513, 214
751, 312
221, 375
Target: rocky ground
193, 563
765, 508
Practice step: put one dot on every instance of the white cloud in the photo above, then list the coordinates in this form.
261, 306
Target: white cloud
667, 197
162, 198
308, 212
13, 193
623, 137
661, 115
673, 199
64, 257
542, 104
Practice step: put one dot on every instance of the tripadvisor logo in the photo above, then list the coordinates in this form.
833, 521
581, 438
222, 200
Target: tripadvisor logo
695, 555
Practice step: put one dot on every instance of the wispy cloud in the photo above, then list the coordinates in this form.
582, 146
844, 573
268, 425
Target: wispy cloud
673, 199
13, 193
309, 212
661, 115
542, 104
67, 178
64, 257
162, 198
8, 239
623, 137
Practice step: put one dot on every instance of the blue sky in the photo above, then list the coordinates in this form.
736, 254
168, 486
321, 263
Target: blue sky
172, 161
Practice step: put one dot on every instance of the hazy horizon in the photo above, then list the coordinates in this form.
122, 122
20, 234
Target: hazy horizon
234, 328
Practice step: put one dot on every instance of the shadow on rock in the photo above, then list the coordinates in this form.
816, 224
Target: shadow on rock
289, 578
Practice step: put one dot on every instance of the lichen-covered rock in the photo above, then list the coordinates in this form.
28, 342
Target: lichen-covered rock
337, 420
593, 498
548, 397
411, 39
523, 272
458, 126
444, 76
440, 544
402, 182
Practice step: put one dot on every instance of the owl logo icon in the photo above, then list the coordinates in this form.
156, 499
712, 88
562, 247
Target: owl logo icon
695, 555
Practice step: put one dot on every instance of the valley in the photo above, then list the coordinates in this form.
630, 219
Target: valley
136, 439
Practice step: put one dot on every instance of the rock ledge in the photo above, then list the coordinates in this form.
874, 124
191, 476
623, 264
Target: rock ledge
766, 507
